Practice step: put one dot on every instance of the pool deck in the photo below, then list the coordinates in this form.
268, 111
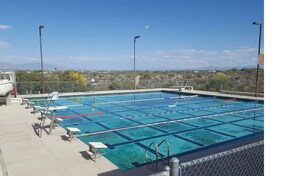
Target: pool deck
24, 153
199, 92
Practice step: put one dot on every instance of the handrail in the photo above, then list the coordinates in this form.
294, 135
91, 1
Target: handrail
168, 148
156, 150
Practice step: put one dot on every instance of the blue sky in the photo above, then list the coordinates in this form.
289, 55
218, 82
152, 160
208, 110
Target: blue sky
97, 34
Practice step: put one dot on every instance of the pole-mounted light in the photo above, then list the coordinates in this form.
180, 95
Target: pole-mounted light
42, 77
259, 48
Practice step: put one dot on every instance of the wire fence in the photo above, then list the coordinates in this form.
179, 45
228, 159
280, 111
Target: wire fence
246, 160
49, 86
101, 85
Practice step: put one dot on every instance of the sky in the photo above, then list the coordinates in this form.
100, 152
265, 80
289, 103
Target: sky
98, 34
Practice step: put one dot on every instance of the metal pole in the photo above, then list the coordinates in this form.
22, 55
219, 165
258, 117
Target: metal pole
134, 61
42, 76
166, 171
259, 48
174, 167
42, 125
134, 65
53, 122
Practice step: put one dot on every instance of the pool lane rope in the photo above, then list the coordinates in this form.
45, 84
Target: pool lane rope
78, 115
151, 114
148, 99
230, 99
128, 101
170, 112
185, 110
171, 121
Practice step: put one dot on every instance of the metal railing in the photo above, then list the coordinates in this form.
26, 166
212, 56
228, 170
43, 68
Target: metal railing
168, 148
157, 154
246, 160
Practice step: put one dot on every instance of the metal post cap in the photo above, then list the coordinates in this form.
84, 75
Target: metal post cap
174, 160
166, 168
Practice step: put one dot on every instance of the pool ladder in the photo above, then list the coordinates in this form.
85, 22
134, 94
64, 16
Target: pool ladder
157, 152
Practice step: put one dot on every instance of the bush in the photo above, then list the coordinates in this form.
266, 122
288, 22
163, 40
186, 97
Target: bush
219, 81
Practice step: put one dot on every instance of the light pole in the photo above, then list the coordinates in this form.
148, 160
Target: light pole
259, 47
42, 77
93, 83
134, 62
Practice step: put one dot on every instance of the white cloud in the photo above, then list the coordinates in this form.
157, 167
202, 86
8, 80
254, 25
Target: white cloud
4, 27
99, 62
147, 26
189, 58
194, 58
4, 45
86, 58
17, 59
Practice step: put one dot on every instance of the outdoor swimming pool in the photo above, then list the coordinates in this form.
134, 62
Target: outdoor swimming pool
128, 123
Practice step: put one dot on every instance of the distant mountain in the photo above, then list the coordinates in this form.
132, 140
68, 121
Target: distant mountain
205, 68
224, 68
36, 66
31, 66
6, 66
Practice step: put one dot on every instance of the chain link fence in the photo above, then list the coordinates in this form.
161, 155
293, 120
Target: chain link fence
233, 87
246, 160
25, 88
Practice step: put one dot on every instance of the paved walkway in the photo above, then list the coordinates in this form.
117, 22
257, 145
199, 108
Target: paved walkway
25, 153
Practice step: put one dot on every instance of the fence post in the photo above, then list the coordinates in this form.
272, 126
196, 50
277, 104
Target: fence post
166, 171
174, 167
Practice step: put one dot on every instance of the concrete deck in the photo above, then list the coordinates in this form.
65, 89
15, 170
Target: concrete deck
24, 153
220, 94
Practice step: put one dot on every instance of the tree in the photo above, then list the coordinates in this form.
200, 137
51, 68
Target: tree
219, 81
80, 81
28, 81
114, 86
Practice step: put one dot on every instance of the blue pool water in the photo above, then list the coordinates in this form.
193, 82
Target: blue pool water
127, 123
